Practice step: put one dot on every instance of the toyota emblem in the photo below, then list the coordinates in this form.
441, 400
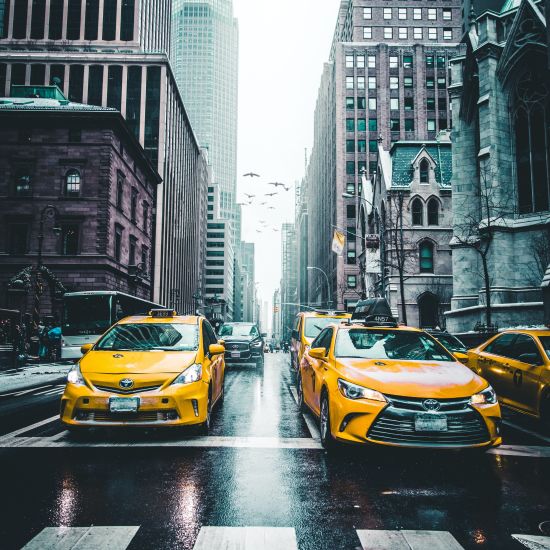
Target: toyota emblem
235, 347
126, 383
432, 405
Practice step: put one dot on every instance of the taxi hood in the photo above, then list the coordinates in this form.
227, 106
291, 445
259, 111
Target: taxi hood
436, 379
136, 362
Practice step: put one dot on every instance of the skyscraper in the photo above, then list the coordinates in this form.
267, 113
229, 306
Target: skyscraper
205, 49
114, 53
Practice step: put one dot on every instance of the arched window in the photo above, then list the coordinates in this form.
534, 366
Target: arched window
433, 212
417, 212
531, 119
426, 251
72, 183
424, 171
23, 183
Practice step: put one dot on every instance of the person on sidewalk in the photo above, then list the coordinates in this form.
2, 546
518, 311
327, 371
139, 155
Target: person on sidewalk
54, 337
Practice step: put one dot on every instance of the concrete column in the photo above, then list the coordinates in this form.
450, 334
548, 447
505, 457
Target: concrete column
47, 24
100, 20
10, 22
118, 19
64, 20
66, 80
82, 18
105, 81
124, 93
142, 106
29, 19
27, 74
6, 91
47, 73
85, 81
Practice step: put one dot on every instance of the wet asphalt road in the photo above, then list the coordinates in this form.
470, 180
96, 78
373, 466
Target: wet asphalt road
169, 491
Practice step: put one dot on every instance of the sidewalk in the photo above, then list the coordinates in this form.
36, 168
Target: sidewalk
33, 375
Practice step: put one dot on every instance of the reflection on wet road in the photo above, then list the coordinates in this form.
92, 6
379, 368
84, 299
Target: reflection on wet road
247, 488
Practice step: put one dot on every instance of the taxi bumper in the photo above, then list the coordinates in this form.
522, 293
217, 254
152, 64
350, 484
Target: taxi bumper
394, 423
177, 405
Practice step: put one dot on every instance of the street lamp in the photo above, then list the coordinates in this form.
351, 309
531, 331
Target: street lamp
311, 268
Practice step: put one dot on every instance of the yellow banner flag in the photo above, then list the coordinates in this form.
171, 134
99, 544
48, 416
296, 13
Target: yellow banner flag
338, 241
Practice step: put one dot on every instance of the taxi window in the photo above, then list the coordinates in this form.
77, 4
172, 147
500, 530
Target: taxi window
323, 340
314, 325
239, 330
503, 345
389, 344
150, 337
451, 343
208, 335
545, 341
526, 351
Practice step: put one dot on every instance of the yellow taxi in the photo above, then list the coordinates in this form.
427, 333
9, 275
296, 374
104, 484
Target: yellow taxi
372, 381
156, 370
517, 364
307, 326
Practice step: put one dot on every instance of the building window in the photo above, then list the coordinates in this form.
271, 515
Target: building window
350, 145
387, 13
402, 33
119, 192
407, 81
442, 123
442, 105
352, 281
407, 61
424, 171
372, 103
429, 61
23, 184
350, 188
395, 125
388, 32
367, 32
37, 22
417, 14
132, 247
73, 19
349, 82
431, 125
394, 62
133, 205
426, 250
360, 61
394, 104
72, 183
417, 212
432, 14
447, 34
530, 116
95, 85
351, 257
350, 211
360, 82
373, 125
372, 83
127, 20
350, 104
394, 82
433, 212
350, 167
409, 124
361, 103
402, 13
69, 239
447, 14
118, 242
349, 62
418, 33
145, 259
371, 61
146, 218
18, 238
441, 83
350, 125
432, 33
409, 104
92, 20
367, 13
430, 83
361, 125
430, 104
361, 146
373, 146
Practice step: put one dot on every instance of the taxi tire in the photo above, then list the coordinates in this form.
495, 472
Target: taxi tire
204, 428
300, 392
545, 412
327, 440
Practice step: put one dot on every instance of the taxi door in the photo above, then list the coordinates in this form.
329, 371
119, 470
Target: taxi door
316, 369
295, 343
212, 362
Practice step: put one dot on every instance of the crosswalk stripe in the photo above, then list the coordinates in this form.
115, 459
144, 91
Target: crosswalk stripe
246, 538
51, 391
527, 431
81, 538
533, 542
407, 540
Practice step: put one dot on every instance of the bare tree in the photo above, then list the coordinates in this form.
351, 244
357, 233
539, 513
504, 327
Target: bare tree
540, 246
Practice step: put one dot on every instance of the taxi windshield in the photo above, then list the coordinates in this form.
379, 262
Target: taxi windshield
451, 343
239, 330
314, 325
389, 344
150, 337
545, 341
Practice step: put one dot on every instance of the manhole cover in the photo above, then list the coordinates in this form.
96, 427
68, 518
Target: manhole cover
544, 527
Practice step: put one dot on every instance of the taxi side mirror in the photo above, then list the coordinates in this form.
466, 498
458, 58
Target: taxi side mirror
318, 353
216, 349
85, 348
221, 342
461, 356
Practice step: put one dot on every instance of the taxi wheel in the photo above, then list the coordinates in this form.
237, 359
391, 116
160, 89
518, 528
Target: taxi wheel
545, 411
300, 393
204, 428
327, 440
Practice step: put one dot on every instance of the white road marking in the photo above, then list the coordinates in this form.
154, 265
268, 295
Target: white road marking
246, 538
533, 542
525, 430
407, 540
83, 538
51, 391
18, 393
311, 426
29, 428
522, 450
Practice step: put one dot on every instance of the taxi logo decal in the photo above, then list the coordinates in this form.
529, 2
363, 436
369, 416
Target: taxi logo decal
431, 405
118, 355
126, 383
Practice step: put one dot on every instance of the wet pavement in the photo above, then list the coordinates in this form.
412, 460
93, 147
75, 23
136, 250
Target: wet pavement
262, 468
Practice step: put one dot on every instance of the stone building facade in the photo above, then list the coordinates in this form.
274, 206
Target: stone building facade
386, 78
501, 196
81, 169
411, 197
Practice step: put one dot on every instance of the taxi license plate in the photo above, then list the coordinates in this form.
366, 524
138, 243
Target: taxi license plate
430, 423
123, 404
235, 354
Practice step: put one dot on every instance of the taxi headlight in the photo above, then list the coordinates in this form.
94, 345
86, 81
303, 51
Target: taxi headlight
353, 391
485, 397
189, 375
75, 377
256, 344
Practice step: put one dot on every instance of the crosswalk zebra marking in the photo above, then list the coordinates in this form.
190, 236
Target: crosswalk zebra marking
533, 542
83, 538
246, 538
407, 540
311, 426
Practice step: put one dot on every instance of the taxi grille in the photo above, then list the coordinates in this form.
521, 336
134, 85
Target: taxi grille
128, 391
394, 426
415, 404
236, 346
142, 417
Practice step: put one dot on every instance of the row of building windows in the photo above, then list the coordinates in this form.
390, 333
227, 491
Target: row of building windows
134, 200
402, 33
417, 210
407, 61
408, 105
358, 82
416, 14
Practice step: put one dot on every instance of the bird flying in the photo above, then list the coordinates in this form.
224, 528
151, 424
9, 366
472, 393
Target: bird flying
251, 175
249, 196
286, 188
271, 194
271, 208
276, 184
262, 203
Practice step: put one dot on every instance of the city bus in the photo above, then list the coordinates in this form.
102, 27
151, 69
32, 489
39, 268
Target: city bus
87, 315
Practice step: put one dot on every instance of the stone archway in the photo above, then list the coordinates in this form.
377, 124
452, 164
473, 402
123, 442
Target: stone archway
428, 310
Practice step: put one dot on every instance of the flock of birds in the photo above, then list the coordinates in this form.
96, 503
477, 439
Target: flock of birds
252, 198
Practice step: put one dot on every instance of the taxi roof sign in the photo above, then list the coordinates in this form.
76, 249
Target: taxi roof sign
162, 313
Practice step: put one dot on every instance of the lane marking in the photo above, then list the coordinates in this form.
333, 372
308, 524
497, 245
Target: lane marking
18, 393
533, 542
246, 538
82, 538
51, 391
533, 451
311, 426
11, 435
407, 540
527, 431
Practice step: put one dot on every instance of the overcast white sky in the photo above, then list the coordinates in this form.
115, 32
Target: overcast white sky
283, 46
